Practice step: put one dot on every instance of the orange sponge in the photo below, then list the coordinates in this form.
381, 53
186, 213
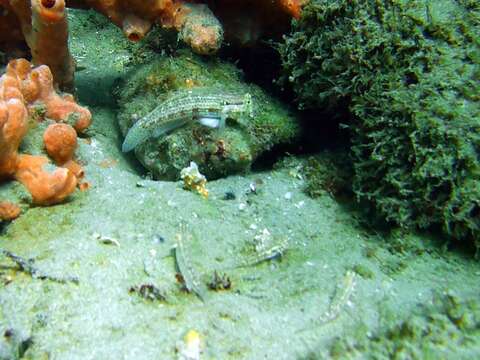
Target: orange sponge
24, 91
196, 24
42, 25
35, 87
46, 183
60, 142
13, 127
292, 7
59, 108
9, 211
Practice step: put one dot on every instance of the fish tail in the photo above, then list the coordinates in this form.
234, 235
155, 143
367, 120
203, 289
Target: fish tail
135, 136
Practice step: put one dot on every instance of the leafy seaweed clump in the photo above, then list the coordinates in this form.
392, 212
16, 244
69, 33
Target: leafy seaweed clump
408, 74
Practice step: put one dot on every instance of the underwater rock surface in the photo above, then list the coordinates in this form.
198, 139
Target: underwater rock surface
408, 74
218, 152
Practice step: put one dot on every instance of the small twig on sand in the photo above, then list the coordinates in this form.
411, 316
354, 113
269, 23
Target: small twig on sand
26, 266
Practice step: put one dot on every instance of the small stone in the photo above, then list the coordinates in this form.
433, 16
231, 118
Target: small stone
229, 195
300, 204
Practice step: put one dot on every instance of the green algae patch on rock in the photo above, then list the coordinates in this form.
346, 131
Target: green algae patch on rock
218, 152
408, 74
328, 173
446, 329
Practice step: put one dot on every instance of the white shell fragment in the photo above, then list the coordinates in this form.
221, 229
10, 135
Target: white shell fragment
193, 173
191, 346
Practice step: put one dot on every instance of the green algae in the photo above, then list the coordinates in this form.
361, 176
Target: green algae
328, 173
445, 329
363, 271
407, 73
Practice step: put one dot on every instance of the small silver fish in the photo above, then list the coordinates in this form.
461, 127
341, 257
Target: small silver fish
209, 107
184, 264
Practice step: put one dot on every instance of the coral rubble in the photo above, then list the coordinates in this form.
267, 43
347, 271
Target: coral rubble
27, 95
409, 73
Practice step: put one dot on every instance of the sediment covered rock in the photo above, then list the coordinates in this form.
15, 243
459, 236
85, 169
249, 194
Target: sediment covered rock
218, 152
